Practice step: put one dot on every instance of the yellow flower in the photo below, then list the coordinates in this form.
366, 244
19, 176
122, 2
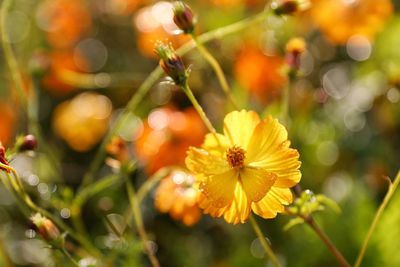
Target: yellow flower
248, 168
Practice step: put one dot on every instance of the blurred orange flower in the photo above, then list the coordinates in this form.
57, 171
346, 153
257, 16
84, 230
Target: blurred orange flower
340, 19
65, 21
166, 136
7, 122
177, 196
235, 3
259, 73
124, 7
82, 121
59, 62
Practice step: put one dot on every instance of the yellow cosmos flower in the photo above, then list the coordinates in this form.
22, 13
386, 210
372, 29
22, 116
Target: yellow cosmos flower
249, 168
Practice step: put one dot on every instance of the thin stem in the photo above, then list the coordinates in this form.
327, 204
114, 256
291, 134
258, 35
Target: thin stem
285, 104
217, 68
139, 224
200, 111
22, 195
151, 182
66, 253
9, 55
389, 194
198, 108
263, 241
321, 234
151, 80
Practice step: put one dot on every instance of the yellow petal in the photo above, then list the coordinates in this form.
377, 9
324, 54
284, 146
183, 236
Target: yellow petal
269, 149
256, 182
240, 208
219, 188
200, 161
215, 146
239, 127
272, 203
235, 212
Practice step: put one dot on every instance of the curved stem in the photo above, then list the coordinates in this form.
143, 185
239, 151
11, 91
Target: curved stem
66, 253
321, 234
151, 80
9, 55
139, 224
151, 182
24, 197
217, 68
389, 194
264, 243
198, 108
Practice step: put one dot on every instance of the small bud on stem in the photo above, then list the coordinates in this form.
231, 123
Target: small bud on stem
184, 17
171, 63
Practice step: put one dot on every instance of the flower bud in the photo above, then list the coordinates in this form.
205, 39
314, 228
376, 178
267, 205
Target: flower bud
184, 17
29, 142
118, 149
46, 228
3, 157
289, 7
294, 49
171, 63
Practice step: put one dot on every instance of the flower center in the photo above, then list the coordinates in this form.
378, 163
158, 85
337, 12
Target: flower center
235, 156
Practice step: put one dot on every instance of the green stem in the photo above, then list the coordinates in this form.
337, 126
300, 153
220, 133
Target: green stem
198, 108
139, 224
83, 195
389, 194
66, 253
151, 80
285, 105
24, 197
321, 234
263, 241
9, 55
151, 182
217, 68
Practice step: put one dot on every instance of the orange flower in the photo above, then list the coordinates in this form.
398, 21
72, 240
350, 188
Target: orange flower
59, 62
65, 21
7, 122
82, 121
177, 196
166, 136
259, 73
124, 7
339, 19
237, 3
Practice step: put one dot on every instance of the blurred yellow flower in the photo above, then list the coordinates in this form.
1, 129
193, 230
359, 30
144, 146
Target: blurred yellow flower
250, 168
177, 196
82, 121
340, 19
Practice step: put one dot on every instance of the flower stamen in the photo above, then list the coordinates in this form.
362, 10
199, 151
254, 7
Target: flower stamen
235, 157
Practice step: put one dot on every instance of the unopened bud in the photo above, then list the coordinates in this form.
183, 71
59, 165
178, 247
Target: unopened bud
118, 149
184, 17
46, 228
294, 48
3, 157
39, 62
171, 63
29, 142
289, 7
